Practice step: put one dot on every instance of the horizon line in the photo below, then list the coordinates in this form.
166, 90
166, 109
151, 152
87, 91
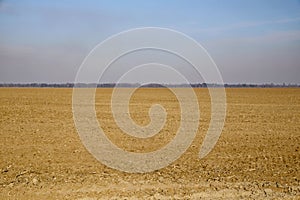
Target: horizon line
150, 85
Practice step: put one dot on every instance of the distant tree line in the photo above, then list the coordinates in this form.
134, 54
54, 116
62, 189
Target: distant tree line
152, 85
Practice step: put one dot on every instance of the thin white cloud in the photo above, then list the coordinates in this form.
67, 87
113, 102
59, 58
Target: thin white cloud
274, 37
248, 25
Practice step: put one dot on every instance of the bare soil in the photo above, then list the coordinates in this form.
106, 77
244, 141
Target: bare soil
256, 157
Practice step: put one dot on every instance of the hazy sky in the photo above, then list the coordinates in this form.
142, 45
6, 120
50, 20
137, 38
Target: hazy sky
254, 41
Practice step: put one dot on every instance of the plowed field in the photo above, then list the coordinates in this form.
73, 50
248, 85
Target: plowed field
256, 157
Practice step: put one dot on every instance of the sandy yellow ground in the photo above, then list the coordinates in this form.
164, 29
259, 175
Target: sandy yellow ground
257, 155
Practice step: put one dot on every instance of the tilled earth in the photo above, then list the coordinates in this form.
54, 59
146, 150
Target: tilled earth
256, 157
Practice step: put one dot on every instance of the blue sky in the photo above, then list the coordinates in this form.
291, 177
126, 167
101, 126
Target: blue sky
253, 41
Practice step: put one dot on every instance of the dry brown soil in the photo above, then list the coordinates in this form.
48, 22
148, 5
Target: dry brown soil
256, 157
